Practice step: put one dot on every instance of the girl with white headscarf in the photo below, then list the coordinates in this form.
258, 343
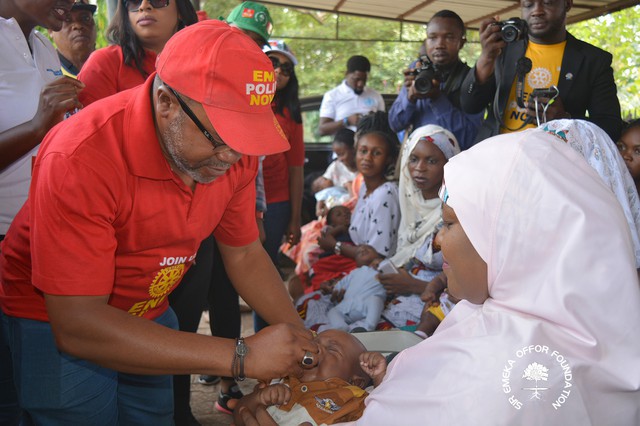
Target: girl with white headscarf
422, 160
552, 336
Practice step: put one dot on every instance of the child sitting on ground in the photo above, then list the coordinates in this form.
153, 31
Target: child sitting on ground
327, 265
359, 296
331, 392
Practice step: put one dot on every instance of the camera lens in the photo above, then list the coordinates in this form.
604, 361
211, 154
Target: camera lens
423, 83
510, 33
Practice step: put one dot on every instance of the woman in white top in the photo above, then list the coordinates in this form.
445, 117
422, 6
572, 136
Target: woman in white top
423, 159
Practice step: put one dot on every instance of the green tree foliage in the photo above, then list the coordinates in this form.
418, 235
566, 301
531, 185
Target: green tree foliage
324, 41
102, 22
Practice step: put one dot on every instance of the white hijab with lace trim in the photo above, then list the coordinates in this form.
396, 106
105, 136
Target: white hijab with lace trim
419, 216
601, 153
556, 342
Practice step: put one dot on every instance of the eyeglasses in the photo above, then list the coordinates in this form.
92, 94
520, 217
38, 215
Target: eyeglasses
195, 120
286, 68
134, 5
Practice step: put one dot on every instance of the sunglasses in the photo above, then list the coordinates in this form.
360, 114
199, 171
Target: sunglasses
195, 120
134, 5
286, 68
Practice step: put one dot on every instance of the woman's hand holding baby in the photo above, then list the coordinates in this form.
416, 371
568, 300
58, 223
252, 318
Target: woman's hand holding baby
401, 283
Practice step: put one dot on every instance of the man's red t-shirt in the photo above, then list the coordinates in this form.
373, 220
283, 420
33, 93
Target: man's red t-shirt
107, 216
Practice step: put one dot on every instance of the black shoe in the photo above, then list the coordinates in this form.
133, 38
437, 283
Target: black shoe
203, 379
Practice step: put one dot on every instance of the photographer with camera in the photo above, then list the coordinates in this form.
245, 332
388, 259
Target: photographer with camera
431, 93
536, 53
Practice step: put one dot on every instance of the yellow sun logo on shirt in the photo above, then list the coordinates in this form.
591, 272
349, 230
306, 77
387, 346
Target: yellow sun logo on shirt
165, 280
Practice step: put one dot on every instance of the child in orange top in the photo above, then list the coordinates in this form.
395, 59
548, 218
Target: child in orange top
332, 392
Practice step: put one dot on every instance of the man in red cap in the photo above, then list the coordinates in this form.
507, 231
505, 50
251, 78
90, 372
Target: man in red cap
122, 194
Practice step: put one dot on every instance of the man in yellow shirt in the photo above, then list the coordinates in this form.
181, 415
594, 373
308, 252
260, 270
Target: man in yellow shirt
542, 56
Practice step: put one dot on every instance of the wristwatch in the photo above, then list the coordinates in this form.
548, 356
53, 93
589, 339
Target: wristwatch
337, 249
345, 122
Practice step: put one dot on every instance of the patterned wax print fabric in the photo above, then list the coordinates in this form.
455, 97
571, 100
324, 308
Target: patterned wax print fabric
376, 218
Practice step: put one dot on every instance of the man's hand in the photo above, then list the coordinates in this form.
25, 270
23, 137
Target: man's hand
277, 351
410, 83
375, 365
492, 45
56, 98
555, 109
354, 119
434, 93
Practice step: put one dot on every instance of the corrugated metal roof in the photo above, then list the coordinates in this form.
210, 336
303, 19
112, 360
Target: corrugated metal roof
472, 11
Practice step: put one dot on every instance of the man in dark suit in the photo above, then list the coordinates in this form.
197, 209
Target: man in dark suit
579, 75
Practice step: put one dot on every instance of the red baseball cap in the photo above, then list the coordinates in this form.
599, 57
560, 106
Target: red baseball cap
224, 70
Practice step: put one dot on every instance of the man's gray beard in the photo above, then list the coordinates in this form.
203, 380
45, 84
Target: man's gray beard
174, 144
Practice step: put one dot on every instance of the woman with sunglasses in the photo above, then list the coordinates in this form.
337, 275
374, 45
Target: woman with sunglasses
138, 33
283, 173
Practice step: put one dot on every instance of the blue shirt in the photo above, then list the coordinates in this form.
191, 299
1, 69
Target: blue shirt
438, 111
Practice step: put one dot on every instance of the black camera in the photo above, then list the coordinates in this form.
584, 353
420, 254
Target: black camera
425, 75
513, 29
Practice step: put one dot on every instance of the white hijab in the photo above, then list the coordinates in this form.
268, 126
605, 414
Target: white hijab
564, 305
419, 216
602, 154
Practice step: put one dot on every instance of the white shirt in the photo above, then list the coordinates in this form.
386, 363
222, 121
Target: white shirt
339, 174
22, 76
341, 102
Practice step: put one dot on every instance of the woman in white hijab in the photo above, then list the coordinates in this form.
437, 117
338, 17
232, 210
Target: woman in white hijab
421, 169
540, 251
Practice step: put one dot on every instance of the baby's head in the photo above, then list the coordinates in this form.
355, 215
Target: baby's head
339, 357
320, 183
367, 255
629, 146
339, 215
